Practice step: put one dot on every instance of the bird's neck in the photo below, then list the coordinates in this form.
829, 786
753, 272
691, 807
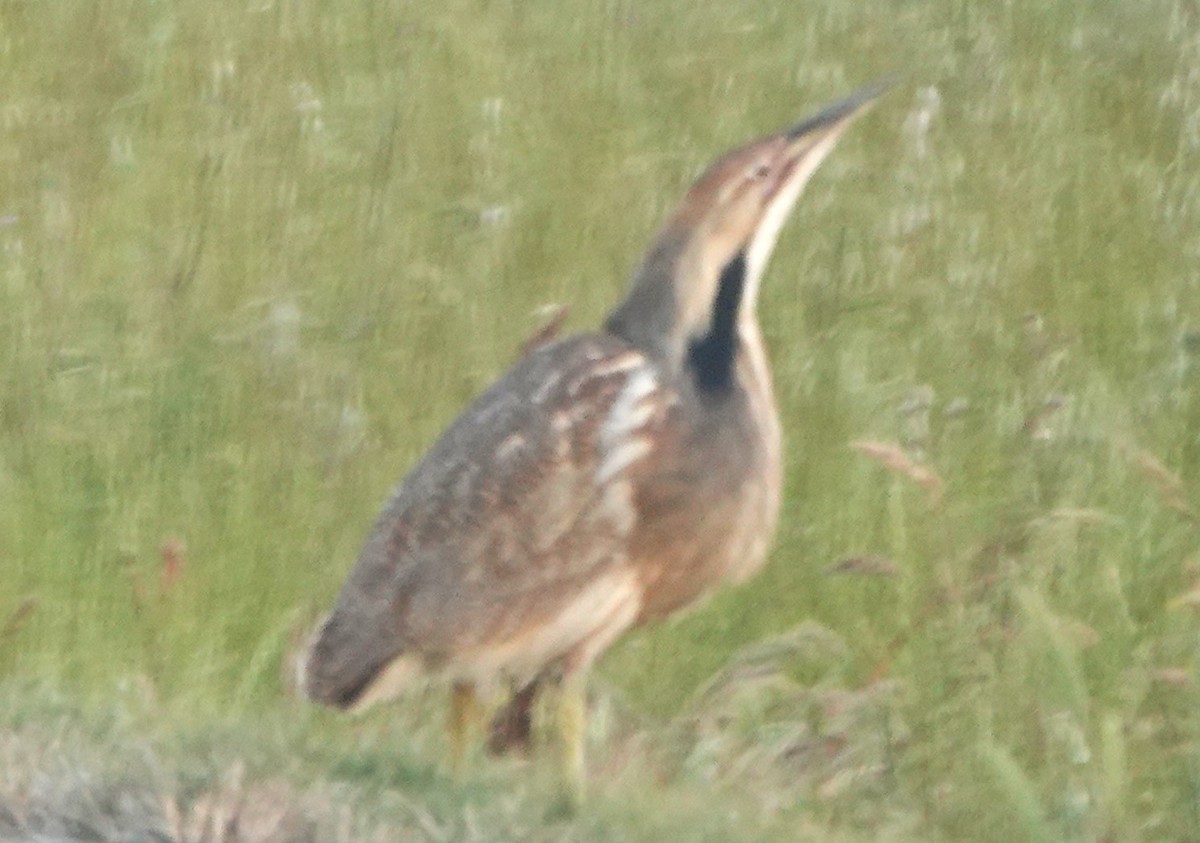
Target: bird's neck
692, 320
712, 355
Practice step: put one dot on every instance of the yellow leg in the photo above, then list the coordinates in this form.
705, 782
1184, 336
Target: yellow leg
464, 714
571, 720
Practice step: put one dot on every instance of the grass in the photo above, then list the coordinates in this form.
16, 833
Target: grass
253, 257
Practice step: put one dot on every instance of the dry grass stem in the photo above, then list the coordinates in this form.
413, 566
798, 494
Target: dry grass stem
896, 459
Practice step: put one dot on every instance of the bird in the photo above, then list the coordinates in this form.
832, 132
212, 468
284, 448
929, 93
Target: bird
606, 480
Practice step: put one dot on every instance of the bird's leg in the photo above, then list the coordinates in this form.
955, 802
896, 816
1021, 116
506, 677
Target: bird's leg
512, 727
570, 722
464, 714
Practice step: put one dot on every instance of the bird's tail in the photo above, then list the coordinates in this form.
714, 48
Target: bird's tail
347, 667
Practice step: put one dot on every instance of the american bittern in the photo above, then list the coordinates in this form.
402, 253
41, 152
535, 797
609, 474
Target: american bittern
605, 480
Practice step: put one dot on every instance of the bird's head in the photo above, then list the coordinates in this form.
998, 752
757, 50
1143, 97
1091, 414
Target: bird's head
723, 233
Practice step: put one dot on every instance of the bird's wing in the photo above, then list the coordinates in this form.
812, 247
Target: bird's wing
522, 505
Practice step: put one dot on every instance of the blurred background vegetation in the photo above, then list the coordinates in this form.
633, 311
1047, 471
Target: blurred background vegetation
255, 255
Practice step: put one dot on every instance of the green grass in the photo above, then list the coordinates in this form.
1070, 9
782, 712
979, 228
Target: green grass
253, 257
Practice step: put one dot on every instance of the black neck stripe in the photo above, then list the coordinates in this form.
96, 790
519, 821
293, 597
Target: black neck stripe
711, 356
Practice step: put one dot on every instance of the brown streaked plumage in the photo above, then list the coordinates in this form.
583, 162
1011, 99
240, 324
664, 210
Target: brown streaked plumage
605, 480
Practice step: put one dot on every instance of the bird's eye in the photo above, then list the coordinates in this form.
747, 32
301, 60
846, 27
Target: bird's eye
760, 171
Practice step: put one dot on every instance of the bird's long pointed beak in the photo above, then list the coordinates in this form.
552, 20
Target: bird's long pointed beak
804, 147
840, 113
809, 141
